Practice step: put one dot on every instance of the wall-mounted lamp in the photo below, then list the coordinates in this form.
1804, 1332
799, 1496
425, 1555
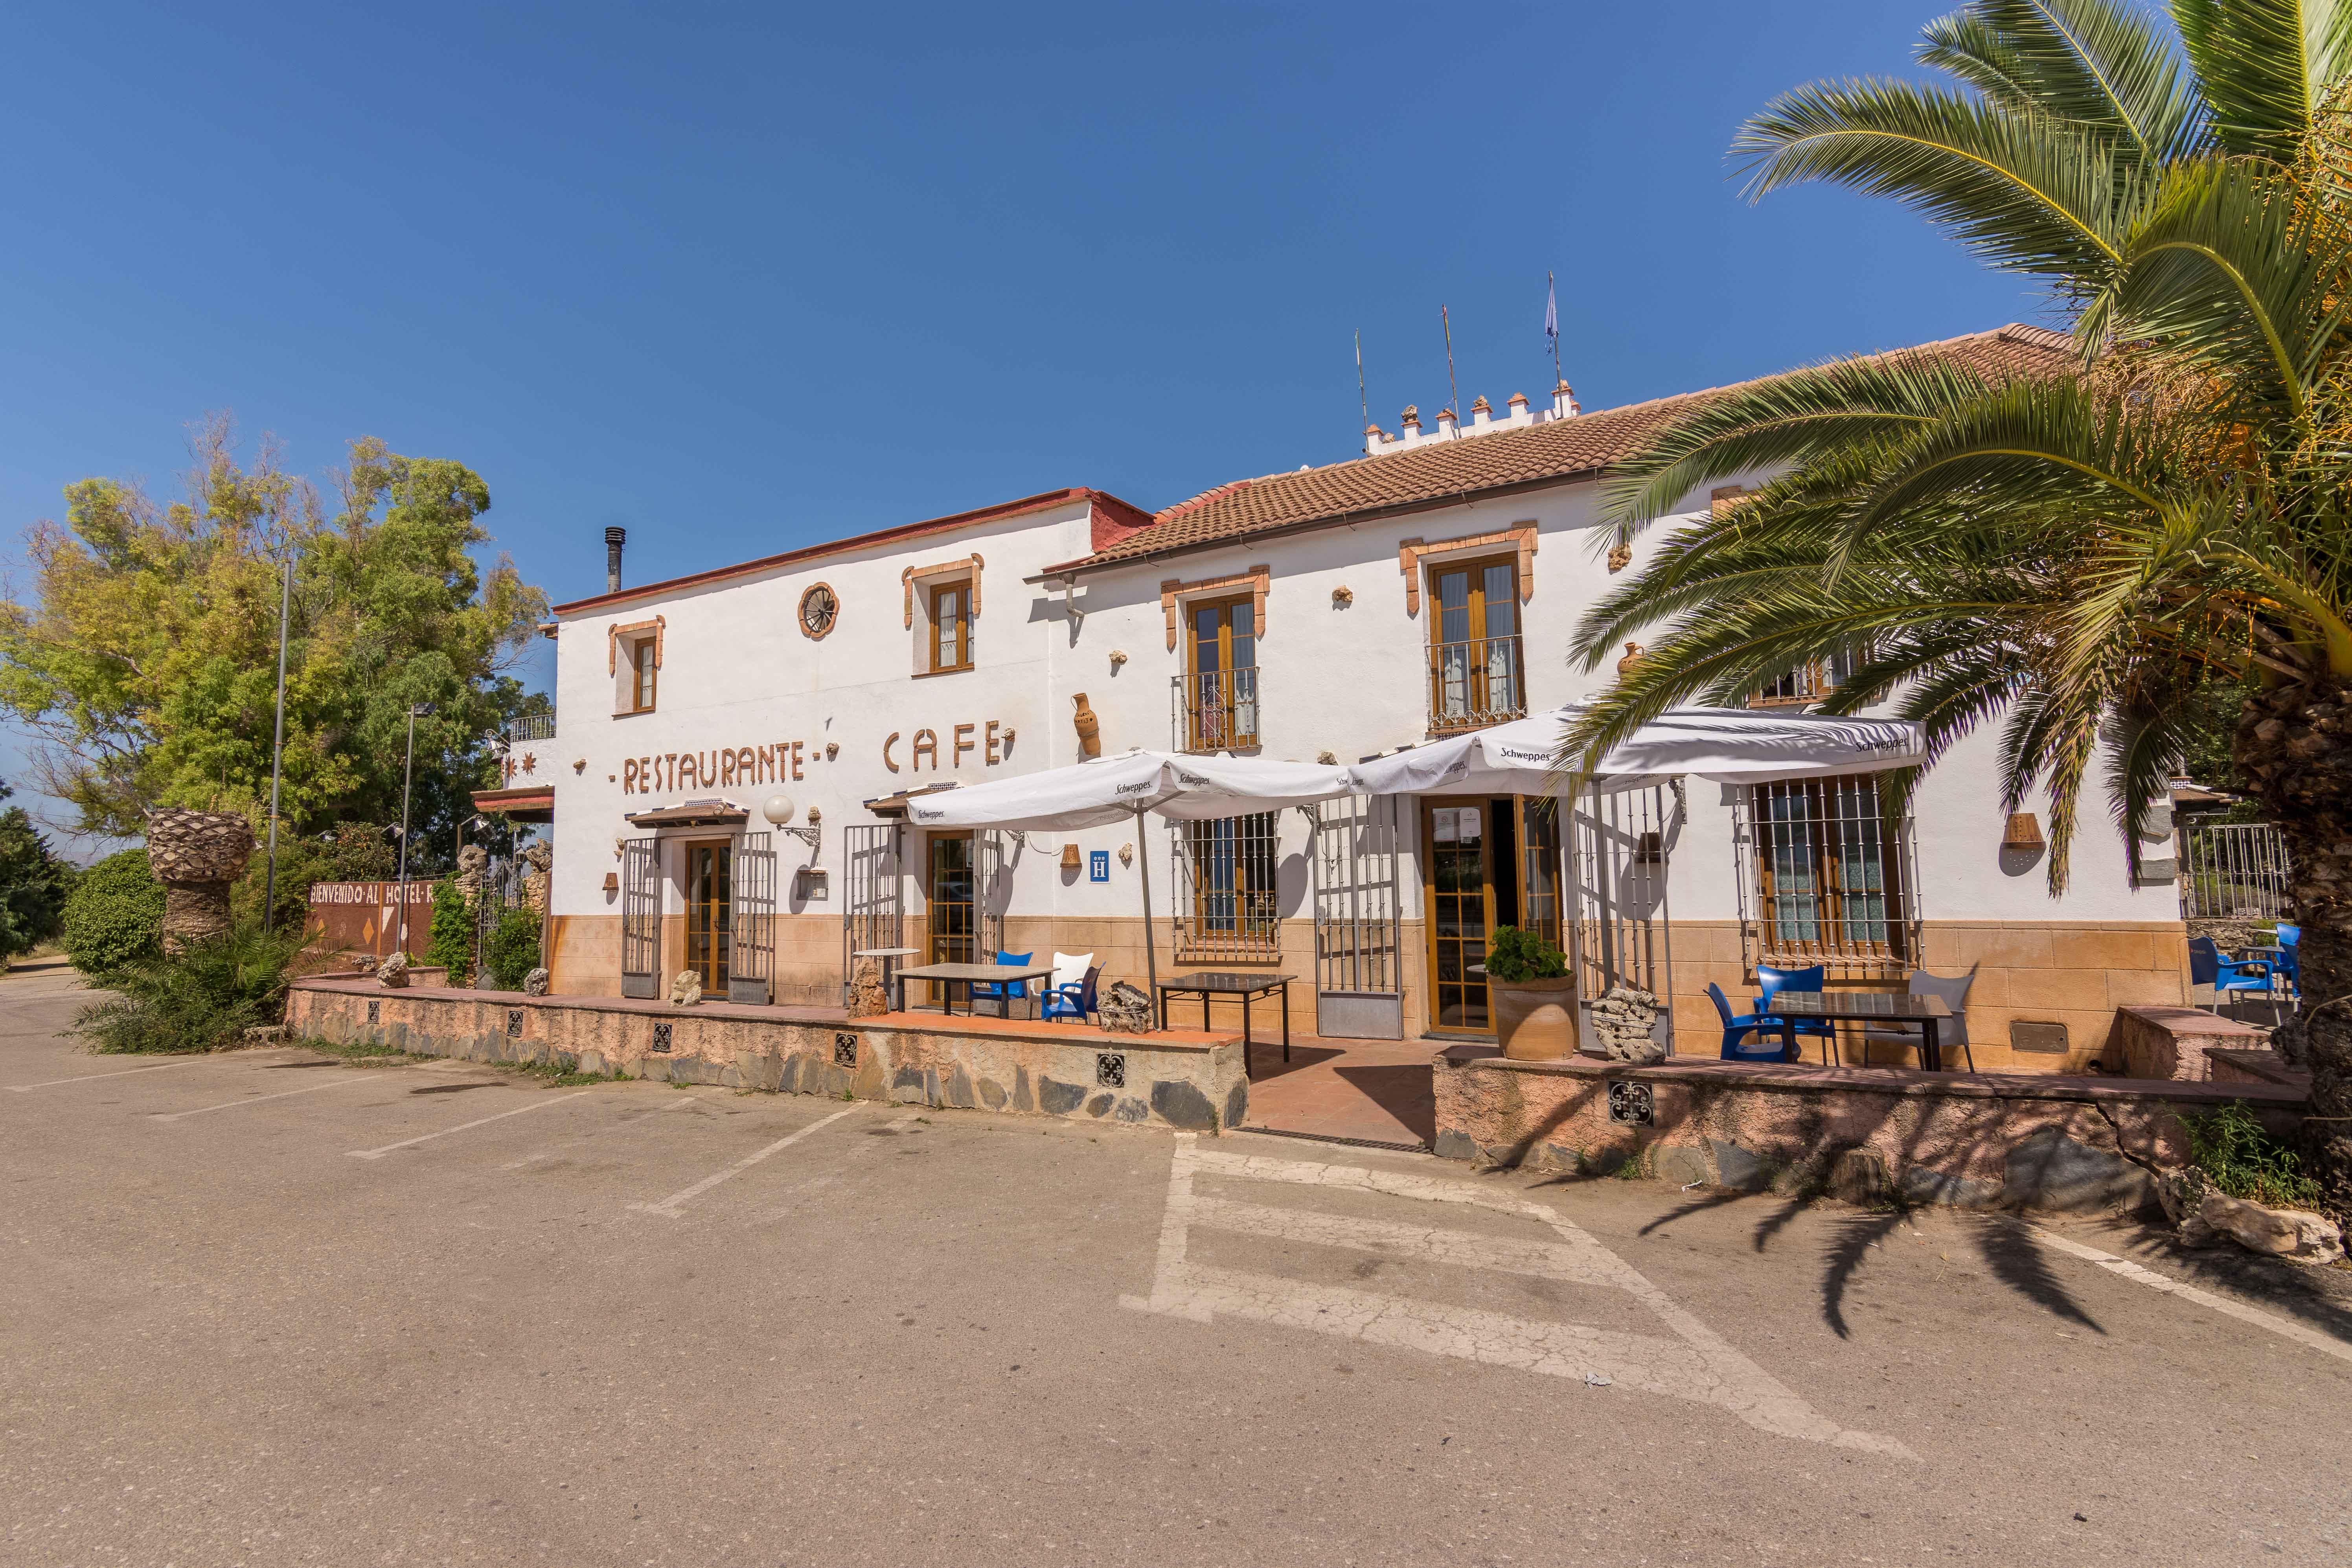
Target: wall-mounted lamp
612, 881
1069, 858
2024, 832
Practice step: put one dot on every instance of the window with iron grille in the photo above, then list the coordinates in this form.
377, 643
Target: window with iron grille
1826, 877
1808, 682
1225, 888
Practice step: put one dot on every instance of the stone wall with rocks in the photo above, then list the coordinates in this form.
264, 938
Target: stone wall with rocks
1982, 1141
1181, 1078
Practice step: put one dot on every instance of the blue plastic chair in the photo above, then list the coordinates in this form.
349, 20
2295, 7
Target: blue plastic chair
1776, 981
1736, 1046
2290, 960
2209, 965
1075, 1000
1003, 992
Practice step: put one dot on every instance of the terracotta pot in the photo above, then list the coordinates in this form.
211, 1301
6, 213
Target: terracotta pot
1535, 1019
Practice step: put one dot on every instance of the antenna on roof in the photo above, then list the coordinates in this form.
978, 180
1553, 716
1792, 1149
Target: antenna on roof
1453, 394
1360, 395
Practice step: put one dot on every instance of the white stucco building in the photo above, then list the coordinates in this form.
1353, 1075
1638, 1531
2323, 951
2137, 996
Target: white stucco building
1338, 610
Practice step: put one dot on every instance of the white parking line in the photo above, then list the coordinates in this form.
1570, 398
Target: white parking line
1692, 1362
668, 1206
356, 1078
428, 1137
2155, 1281
549, 1153
93, 1076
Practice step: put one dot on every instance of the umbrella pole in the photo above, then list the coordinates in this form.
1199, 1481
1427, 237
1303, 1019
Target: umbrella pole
1150, 948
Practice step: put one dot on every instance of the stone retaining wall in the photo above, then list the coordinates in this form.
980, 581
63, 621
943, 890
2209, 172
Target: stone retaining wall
1993, 1139
2174, 1042
1180, 1078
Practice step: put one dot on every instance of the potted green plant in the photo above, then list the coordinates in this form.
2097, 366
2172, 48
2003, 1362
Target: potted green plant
1534, 997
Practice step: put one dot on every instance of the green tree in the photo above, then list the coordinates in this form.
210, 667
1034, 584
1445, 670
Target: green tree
33, 883
453, 933
147, 661
2085, 552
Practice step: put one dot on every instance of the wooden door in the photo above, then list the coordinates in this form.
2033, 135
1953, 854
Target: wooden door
1221, 708
1475, 647
709, 911
1458, 902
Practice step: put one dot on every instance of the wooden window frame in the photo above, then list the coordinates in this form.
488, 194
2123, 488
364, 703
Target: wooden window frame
933, 592
1241, 684
1827, 907
624, 647
1483, 711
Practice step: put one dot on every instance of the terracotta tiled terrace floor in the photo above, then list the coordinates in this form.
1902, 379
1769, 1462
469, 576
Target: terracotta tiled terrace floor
1380, 1090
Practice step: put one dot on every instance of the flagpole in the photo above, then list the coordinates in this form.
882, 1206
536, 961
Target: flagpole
1361, 397
1551, 325
1452, 391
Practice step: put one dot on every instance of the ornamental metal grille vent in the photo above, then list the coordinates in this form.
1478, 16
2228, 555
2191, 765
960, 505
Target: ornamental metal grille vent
661, 1039
1110, 1069
1633, 1105
844, 1050
375, 1011
514, 1023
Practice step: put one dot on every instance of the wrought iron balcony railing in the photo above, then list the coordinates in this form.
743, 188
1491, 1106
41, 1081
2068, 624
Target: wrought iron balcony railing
532, 727
1475, 684
1214, 710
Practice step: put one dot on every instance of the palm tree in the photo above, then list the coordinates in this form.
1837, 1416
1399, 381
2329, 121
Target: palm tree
2076, 553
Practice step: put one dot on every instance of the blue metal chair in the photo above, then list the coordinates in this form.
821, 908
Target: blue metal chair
1075, 1000
1003, 992
1776, 981
2209, 965
1736, 1048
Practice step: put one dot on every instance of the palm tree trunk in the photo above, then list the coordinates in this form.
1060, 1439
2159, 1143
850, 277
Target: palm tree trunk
2293, 744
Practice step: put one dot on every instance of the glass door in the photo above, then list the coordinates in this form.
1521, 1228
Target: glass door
949, 885
1221, 708
709, 911
1458, 883
1475, 650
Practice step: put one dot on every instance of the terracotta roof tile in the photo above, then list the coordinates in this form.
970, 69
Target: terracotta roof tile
1446, 471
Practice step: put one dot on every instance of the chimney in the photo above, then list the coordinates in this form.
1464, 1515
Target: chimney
613, 539
1563, 402
1482, 413
1447, 426
1411, 420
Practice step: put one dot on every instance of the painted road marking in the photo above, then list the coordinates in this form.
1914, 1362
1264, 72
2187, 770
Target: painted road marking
668, 1207
462, 1127
1695, 1363
94, 1076
549, 1153
358, 1077
2128, 1269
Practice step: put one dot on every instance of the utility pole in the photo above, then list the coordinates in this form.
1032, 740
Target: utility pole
277, 747
407, 778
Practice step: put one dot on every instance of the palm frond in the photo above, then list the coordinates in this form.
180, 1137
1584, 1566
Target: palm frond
2266, 67
2094, 63
2025, 192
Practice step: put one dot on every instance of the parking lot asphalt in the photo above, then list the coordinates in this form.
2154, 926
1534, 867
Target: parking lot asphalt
273, 1307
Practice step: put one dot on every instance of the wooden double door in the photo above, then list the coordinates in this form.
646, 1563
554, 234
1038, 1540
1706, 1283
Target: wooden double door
710, 911
1486, 862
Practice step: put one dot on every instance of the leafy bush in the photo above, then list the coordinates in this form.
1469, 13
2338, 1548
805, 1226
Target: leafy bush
453, 933
1512, 955
511, 951
2233, 1147
114, 917
203, 1000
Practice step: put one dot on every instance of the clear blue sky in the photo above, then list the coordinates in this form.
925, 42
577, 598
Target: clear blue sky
742, 278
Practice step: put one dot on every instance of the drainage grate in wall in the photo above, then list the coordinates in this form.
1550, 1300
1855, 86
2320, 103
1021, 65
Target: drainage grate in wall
514, 1023
1632, 1104
375, 1010
1110, 1069
661, 1039
844, 1050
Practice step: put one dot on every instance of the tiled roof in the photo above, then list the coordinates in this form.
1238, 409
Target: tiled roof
1446, 471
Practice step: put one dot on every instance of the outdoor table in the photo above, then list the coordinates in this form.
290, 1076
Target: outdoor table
1211, 983
1862, 1007
971, 974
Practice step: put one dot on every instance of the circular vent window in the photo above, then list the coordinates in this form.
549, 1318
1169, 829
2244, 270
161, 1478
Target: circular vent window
818, 608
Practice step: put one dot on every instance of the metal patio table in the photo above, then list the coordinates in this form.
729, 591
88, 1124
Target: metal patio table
1208, 983
1865, 1008
970, 975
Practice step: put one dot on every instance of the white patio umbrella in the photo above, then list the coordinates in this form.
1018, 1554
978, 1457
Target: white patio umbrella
1732, 745
1097, 793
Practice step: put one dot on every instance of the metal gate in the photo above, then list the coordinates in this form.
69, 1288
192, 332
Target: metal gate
870, 905
640, 920
1358, 961
992, 892
1620, 934
2233, 870
751, 974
